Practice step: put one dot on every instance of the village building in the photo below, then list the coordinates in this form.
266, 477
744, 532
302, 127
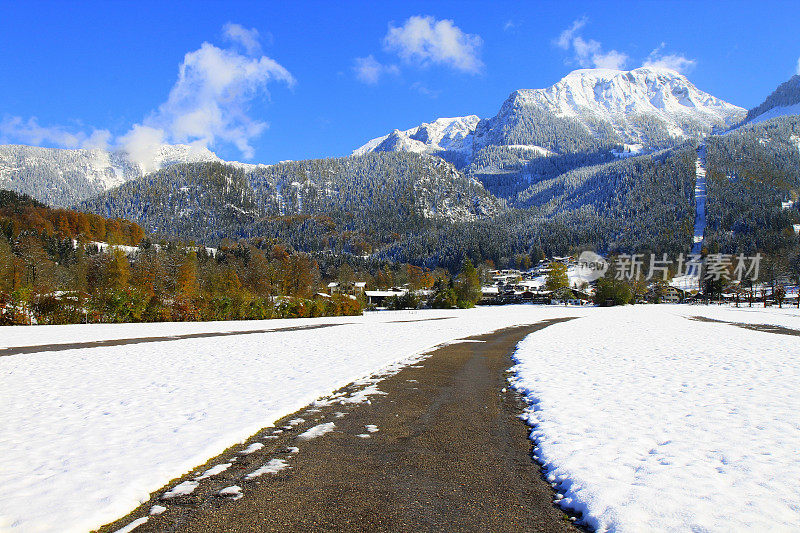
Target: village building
378, 298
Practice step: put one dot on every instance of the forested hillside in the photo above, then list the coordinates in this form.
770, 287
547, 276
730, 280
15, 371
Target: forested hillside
63, 177
417, 209
785, 100
51, 272
509, 170
753, 185
20, 215
352, 204
202, 201
640, 204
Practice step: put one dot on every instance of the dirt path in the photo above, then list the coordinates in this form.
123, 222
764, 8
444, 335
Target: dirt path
441, 448
140, 340
766, 328
14, 350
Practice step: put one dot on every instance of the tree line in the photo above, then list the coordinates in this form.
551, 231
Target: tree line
53, 273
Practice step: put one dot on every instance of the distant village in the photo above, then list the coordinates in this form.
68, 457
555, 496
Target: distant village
512, 286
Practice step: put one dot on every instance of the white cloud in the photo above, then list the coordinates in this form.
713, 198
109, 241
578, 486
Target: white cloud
564, 40
611, 59
585, 50
142, 143
589, 53
798, 66
237, 33
209, 101
425, 40
16, 129
97, 139
369, 70
509, 25
676, 62
207, 105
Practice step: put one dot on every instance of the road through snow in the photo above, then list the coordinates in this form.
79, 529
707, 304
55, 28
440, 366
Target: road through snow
88, 433
441, 448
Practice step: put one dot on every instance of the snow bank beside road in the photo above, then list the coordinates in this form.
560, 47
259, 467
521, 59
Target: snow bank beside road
88, 434
647, 421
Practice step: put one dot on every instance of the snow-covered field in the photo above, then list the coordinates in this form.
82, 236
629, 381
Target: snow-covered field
88, 433
659, 430
647, 421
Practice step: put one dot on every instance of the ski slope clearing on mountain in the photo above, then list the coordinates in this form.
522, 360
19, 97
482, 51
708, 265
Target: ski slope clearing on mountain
89, 433
700, 200
686, 426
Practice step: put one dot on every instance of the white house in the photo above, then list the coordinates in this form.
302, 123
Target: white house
378, 298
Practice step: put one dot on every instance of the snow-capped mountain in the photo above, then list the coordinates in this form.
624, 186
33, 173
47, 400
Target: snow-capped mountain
785, 100
62, 177
443, 134
652, 107
645, 108
588, 117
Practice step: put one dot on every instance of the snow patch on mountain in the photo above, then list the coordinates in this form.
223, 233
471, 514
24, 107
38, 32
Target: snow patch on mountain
775, 112
628, 150
784, 100
532, 149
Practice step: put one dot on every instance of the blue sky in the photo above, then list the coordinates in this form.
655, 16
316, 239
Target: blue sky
295, 80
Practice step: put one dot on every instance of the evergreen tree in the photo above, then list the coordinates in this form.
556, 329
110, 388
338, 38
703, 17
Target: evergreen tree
8, 274
557, 277
444, 296
468, 286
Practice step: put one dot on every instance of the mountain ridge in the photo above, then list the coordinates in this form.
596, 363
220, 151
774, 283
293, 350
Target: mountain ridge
61, 177
590, 116
375, 194
603, 94
784, 100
